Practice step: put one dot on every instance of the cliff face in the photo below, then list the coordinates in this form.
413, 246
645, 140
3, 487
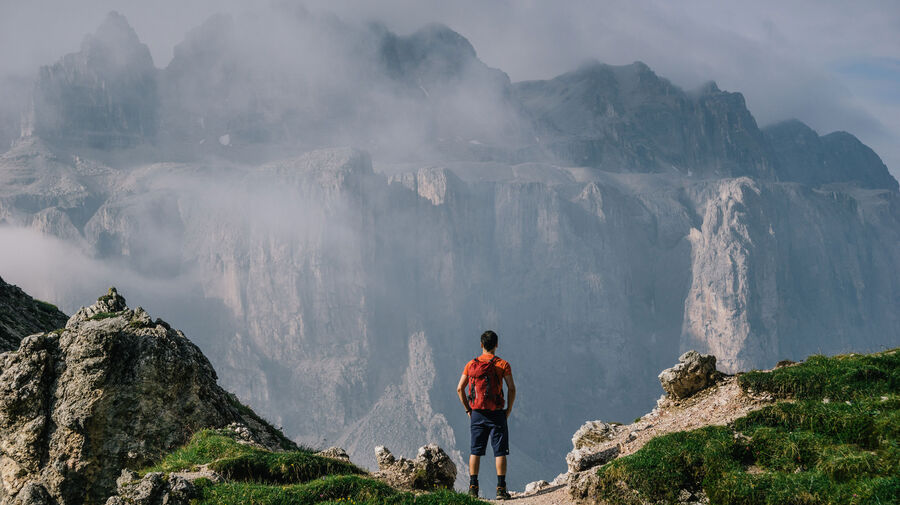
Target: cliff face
353, 298
111, 390
104, 96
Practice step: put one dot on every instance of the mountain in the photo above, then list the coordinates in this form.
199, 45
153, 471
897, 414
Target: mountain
601, 222
22, 315
103, 96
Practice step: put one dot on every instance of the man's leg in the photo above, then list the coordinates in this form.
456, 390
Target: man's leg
500, 462
475, 462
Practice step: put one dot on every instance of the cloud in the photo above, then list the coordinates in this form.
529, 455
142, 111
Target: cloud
788, 58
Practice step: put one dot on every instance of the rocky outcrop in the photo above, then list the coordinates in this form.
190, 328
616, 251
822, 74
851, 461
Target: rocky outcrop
335, 453
22, 315
591, 445
113, 389
693, 372
432, 469
154, 488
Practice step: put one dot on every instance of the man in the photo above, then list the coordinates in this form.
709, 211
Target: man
484, 404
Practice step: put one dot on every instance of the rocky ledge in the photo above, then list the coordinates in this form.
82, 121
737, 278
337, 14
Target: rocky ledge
112, 390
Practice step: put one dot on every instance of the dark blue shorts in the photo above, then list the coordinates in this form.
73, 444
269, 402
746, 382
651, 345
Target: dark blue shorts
489, 423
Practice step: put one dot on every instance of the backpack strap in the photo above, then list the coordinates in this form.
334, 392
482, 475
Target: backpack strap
472, 383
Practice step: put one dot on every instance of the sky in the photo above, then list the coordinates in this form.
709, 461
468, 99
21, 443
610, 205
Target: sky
832, 64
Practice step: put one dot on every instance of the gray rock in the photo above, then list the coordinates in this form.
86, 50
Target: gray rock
593, 445
335, 453
118, 392
693, 373
22, 315
536, 486
432, 469
594, 433
153, 489
33, 494
583, 459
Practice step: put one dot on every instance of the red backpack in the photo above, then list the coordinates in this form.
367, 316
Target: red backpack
485, 385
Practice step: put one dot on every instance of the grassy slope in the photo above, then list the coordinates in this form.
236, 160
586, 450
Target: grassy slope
259, 477
837, 442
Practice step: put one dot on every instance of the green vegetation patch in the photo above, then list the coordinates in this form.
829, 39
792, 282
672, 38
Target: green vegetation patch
341, 489
280, 467
204, 447
46, 306
838, 378
259, 477
845, 449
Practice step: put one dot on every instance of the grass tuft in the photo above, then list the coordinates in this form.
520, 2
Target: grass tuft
838, 378
281, 467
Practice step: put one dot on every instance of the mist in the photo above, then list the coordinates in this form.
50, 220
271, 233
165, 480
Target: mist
825, 63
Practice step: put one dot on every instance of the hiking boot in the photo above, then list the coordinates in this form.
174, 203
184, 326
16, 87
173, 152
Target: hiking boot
502, 494
473, 490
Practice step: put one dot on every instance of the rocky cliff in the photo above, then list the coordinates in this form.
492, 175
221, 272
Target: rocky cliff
113, 389
22, 315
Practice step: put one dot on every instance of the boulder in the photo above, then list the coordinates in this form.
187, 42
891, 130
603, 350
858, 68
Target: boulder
335, 453
432, 469
594, 433
112, 390
593, 445
693, 373
580, 460
156, 488
536, 486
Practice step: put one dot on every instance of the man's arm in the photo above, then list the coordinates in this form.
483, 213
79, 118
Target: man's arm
511, 390
461, 391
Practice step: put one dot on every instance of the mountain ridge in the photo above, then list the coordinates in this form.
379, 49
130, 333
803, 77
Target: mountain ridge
618, 118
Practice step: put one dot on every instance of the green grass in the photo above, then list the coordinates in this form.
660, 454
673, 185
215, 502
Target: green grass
809, 451
46, 306
341, 489
204, 447
280, 467
259, 477
837, 378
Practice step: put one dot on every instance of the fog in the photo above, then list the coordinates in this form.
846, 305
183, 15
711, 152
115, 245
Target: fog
830, 64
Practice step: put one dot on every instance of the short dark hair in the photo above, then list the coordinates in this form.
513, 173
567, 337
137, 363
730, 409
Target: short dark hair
489, 340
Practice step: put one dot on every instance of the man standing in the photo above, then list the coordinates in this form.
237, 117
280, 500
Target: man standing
484, 404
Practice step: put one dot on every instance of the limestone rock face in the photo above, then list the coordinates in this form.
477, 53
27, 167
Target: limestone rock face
693, 372
593, 446
594, 433
22, 315
432, 469
111, 390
